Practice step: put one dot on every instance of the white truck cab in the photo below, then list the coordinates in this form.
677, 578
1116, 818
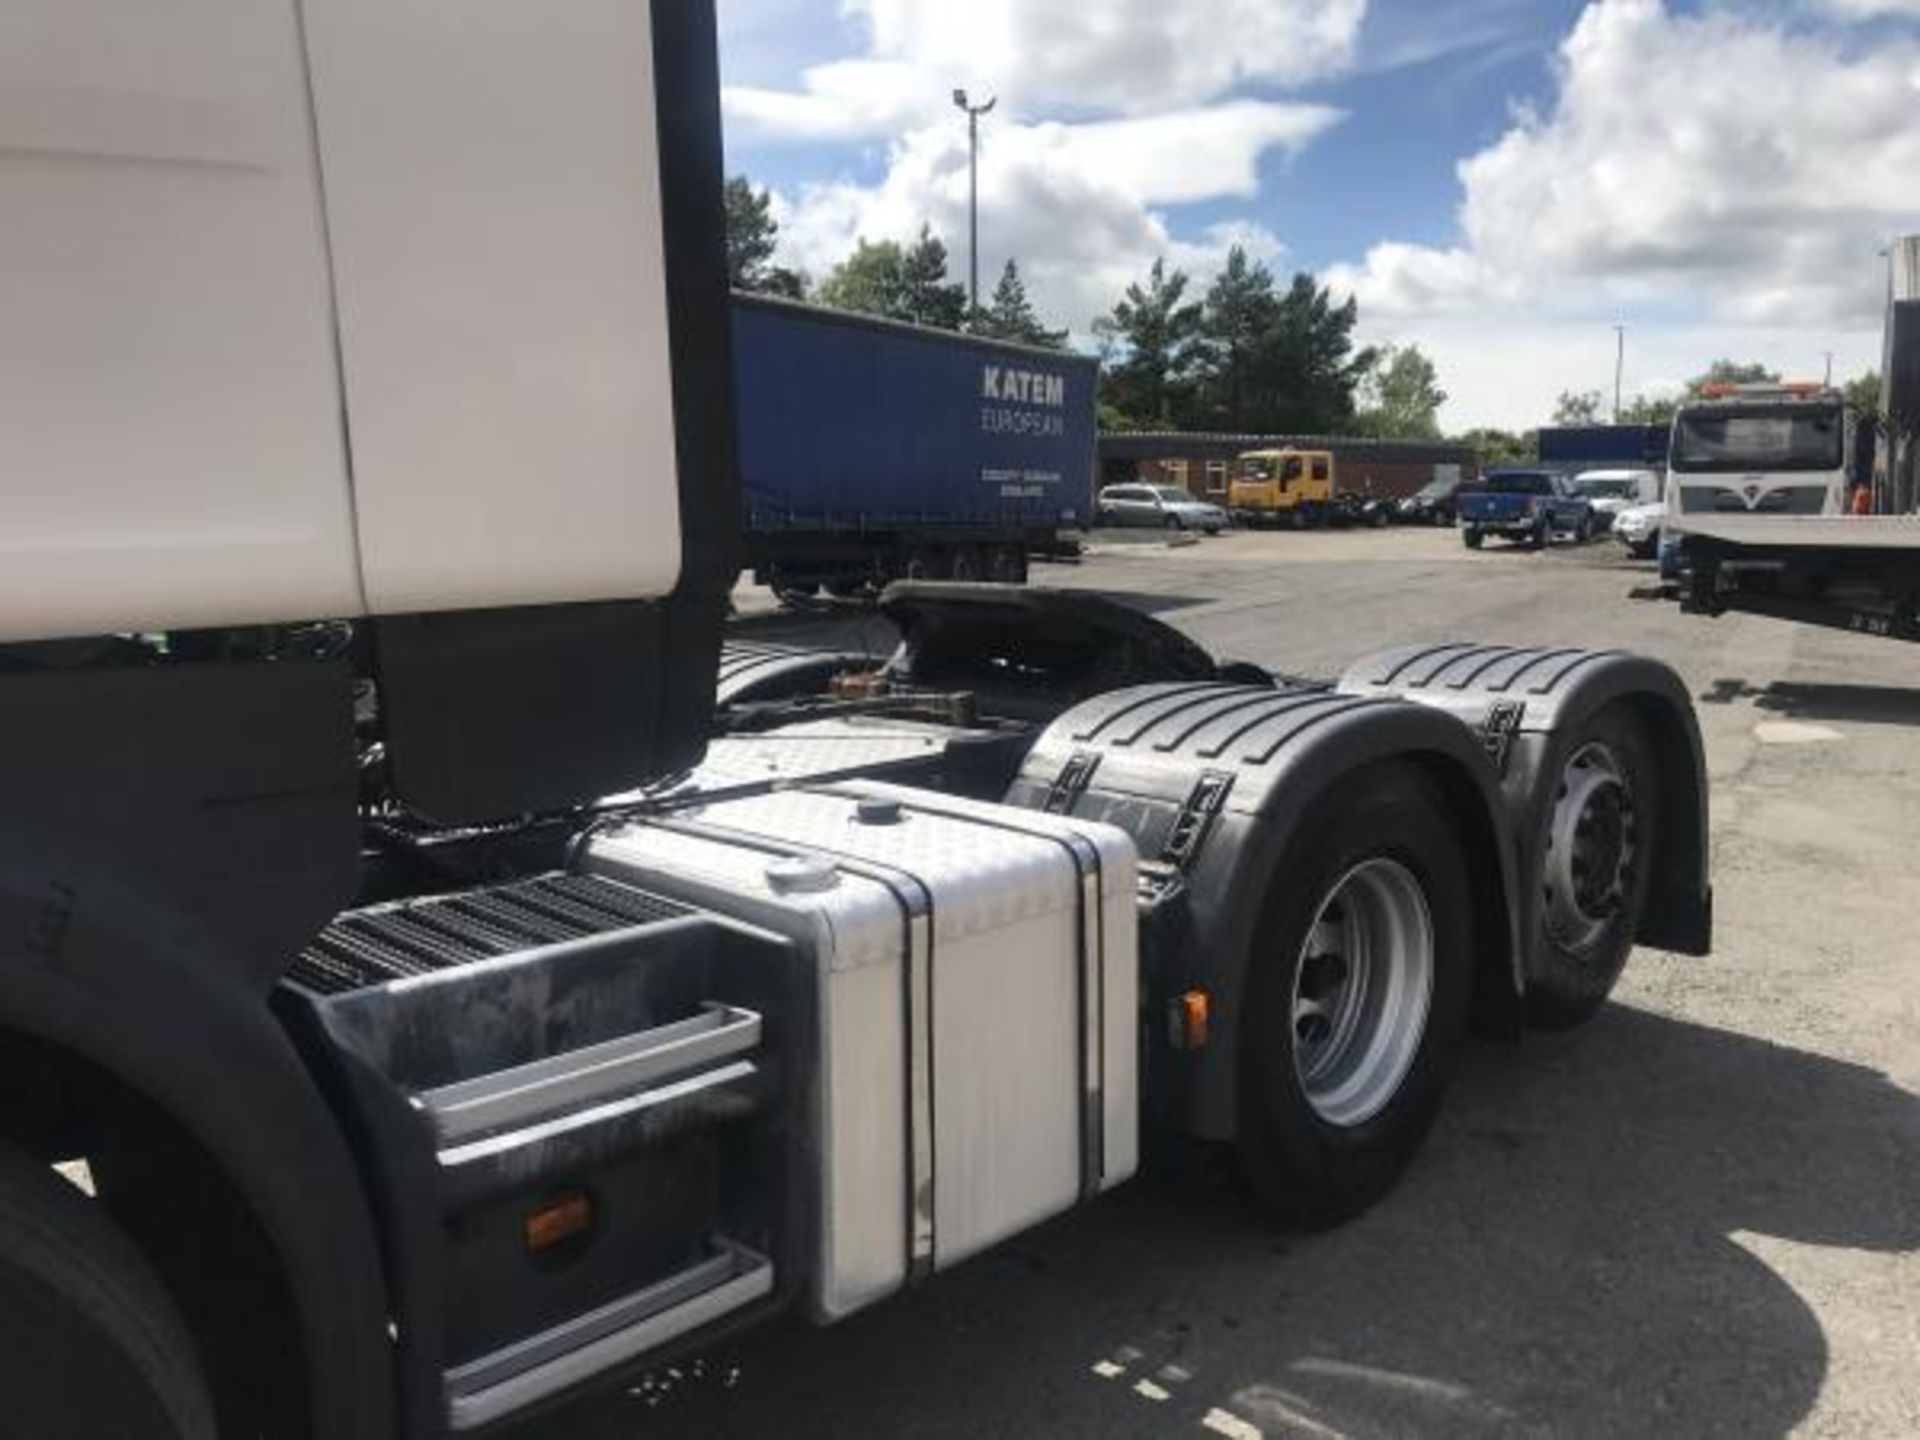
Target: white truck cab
1777, 449
291, 330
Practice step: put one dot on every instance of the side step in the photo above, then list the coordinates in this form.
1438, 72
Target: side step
530, 1370
561, 1036
570, 1082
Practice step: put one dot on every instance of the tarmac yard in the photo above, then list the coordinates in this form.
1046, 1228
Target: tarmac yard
1699, 1215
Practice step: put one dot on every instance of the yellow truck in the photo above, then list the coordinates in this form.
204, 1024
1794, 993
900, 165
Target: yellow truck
1282, 487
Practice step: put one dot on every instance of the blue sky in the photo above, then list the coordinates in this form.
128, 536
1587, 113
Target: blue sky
1498, 181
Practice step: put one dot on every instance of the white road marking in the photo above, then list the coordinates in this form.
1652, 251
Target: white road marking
1147, 1390
1225, 1422
1107, 1370
1794, 732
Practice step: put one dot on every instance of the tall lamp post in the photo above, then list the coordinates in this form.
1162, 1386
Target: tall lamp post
973, 113
1619, 362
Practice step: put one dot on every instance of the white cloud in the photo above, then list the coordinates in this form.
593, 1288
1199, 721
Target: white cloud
1095, 57
1507, 367
1074, 204
842, 100
1108, 112
1712, 164
1128, 55
1872, 9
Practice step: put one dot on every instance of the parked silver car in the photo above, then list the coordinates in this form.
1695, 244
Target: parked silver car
1164, 507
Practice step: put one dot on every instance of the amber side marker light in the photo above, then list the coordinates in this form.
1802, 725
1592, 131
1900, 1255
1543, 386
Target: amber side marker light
556, 1219
1187, 1018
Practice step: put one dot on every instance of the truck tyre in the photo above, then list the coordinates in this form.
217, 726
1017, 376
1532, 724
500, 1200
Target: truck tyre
1595, 842
93, 1345
1471, 538
923, 563
1356, 997
1007, 564
1542, 535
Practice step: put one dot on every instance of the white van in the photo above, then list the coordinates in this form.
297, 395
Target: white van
1611, 491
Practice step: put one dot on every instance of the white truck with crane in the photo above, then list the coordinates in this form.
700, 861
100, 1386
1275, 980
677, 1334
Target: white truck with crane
437, 976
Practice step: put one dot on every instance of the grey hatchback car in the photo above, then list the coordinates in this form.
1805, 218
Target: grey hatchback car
1164, 507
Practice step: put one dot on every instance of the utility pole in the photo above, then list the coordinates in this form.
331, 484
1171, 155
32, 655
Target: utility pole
1619, 363
973, 113
1829, 355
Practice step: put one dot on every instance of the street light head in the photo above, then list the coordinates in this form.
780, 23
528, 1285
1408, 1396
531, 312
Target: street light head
960, 98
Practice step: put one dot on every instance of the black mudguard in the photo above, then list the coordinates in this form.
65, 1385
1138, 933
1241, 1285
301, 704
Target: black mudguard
1213, 781
1526, 705
173, 835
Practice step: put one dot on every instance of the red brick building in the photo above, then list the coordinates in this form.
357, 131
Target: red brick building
1202, 463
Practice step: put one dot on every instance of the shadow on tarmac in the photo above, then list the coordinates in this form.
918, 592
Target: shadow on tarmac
1861, 704
1578, 1251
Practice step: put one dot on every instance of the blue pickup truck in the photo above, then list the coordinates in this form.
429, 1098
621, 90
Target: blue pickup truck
1531, 506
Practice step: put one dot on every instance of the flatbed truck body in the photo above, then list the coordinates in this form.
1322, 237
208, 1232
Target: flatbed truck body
1855, 573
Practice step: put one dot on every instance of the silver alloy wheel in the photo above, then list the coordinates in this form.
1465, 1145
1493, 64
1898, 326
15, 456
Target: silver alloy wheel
1361, 992
1592, 840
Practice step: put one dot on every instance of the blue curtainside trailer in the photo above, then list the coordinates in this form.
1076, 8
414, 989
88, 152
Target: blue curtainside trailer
871, 451
1582, 447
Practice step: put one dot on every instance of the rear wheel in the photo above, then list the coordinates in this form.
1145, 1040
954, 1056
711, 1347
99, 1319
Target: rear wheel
93, 1343
1172, 522
1471, 538
923, 563
1596, 840
1356, 998
1007, 564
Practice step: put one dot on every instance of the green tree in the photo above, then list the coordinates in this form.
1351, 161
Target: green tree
927, 296
1399, 397
1863, 393
870, 280
1275, 362
1649, 409
1238, 321
1313, 366
1148, 343
752, 237
1734, 372
1502, 447
1010, 315
1578, 407
897, 282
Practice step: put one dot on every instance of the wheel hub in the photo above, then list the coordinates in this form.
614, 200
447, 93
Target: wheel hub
1361, 992
1592, 843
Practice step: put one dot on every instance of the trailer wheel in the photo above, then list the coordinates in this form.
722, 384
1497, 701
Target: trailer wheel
924, 564
1356, 998
1007, 564
1596, 838
93, 1343
1471, 538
